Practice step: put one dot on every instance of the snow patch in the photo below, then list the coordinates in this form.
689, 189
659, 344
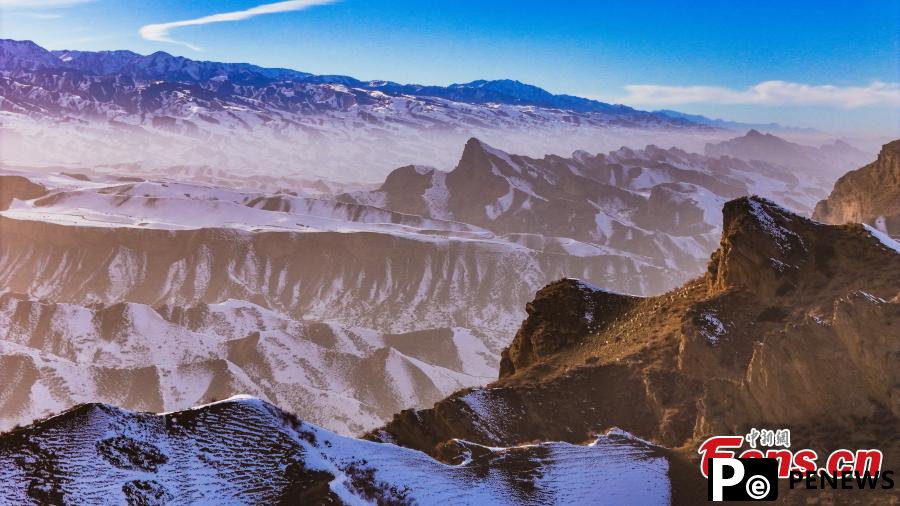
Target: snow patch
883, 238
712, 329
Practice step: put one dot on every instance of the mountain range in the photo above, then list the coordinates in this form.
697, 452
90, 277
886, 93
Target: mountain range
161, 110
161, 66
223, 283
829, 160
733, 125
270, 293
590, 379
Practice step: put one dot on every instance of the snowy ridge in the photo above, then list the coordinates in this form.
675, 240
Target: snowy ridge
172, 205
883, 238
172, 357
455, 252
243, 450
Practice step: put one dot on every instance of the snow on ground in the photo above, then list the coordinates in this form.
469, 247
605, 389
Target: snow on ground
626, 470
97, 209
476, 358
310, 367
235, 452
712, 329
884, 238
768, 224
437, 196
491, 412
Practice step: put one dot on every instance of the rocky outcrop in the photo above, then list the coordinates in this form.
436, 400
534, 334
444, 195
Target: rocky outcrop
18, 187
775, 253
868, 195
785, 298
560, 316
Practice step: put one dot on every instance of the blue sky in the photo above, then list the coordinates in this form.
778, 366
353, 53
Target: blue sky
834, 65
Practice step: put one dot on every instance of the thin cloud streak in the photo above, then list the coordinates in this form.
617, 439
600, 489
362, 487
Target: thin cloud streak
767, 93
37, 15
159, 32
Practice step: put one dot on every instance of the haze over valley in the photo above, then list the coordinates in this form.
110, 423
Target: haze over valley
245, 284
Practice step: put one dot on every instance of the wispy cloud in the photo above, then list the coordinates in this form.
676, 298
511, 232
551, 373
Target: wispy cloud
39, 15
767, 93
160, 32
40, 4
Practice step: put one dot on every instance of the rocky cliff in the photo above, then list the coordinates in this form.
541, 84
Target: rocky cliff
868, 195
788, 309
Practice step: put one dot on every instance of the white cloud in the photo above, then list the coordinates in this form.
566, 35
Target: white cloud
39, 15
39, 4
160, 32
767, 93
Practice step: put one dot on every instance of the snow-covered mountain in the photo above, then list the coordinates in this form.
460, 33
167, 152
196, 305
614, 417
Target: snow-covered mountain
161, 66
161, 110
245, 451
661, 206
55, 355
342, 306
602, 397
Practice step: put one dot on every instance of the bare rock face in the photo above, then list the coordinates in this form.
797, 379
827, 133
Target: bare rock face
757, 249
770, 250
18, 187
561, 314
788, 309
407, 180
868, 195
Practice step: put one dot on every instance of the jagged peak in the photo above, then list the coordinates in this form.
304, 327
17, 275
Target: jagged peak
758, 237
773, 251
475, 144
770, 217
476, 152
